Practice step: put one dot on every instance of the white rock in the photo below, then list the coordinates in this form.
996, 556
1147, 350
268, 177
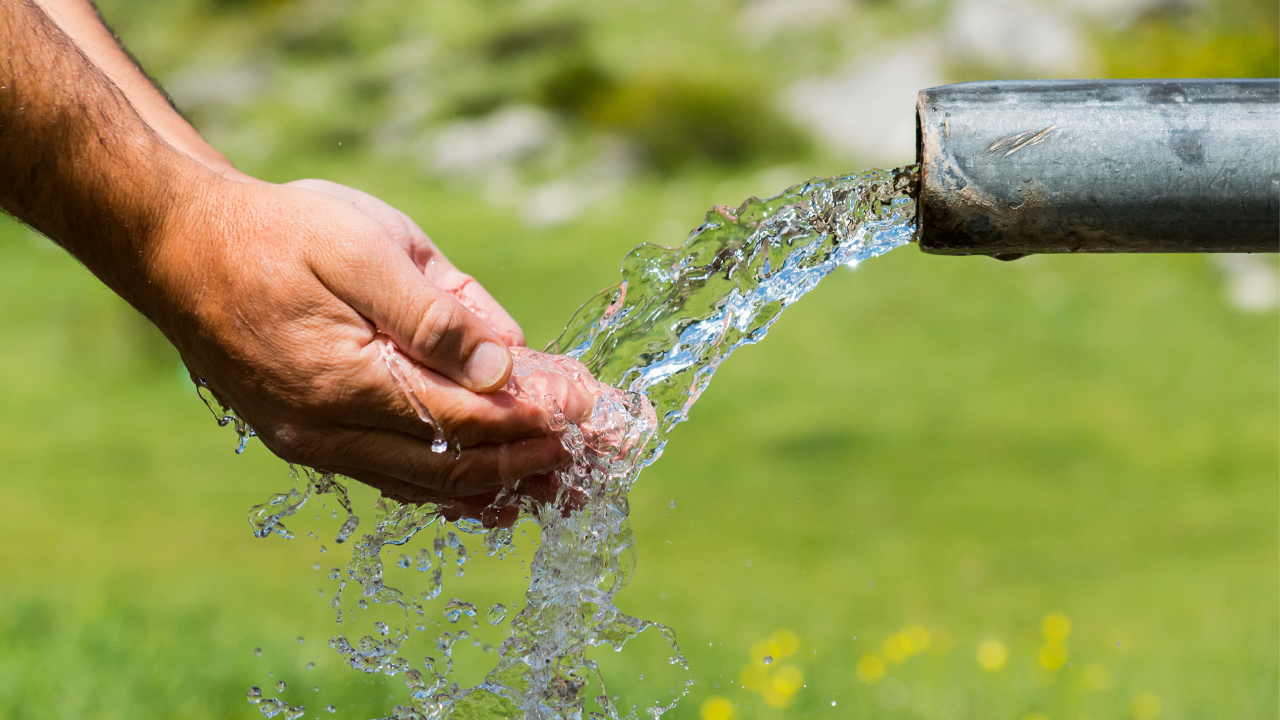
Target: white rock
476, 147
867, 110
762, 19
1253, 283
1027, 38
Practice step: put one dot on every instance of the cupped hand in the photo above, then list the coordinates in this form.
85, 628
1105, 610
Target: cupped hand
275, 296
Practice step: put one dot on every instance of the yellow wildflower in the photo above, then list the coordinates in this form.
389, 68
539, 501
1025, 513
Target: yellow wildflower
783, 686
1053, 655
1147, 706
761, 654
754, 677
992, 655
870, 669
1056, 627
783, 643
718, 708
918, 639
896, 648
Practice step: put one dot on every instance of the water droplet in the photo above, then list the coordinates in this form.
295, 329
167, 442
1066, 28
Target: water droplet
767, 659
254, 694
382, 628
455, 609
404, 561
323, 549
316, 566
497, 613
330, 708
672, 505
281, 686
334, 574
833, 703
311, 666
257, 652
301, 639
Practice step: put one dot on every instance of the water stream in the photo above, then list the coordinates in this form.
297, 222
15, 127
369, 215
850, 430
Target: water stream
646, 348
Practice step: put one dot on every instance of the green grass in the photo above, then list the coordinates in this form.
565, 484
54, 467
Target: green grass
957, 443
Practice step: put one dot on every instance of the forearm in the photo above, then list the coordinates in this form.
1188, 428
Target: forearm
80, 21
76, 161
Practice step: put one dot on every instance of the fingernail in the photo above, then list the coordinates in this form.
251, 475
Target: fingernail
488, 365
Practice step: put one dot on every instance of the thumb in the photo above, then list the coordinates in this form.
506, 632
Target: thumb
371, 274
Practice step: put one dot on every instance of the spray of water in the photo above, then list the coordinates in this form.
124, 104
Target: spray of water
646, 349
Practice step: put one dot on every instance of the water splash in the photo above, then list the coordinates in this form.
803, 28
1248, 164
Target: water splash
224, 414
652, 343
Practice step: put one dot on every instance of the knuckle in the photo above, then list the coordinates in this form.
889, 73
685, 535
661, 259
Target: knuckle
291, 442
439, 326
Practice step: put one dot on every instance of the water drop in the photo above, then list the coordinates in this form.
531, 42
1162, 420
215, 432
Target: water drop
497, 613
323, 549
767, 659
316, 566
254, 694
301, 639
672, 505
281, 686
330, 708
257, 652
311, 666
455, 609
382, 628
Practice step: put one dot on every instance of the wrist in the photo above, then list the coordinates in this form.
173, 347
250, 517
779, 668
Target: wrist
149, 219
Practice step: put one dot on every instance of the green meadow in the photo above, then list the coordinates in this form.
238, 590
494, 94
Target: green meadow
948, 488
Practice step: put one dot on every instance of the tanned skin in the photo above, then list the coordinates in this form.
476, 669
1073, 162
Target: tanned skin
273, 294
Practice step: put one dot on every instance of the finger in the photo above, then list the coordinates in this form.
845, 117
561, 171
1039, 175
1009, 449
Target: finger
399, 226
425, 256
377, 454
378, 399
366, 271
474, 297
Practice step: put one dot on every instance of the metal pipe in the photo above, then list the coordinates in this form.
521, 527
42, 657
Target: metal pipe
1060, 166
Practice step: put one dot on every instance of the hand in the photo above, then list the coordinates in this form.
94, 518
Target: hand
426, 257
275, 296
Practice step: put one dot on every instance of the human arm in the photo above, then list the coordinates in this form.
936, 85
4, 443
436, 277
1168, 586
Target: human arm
272, 294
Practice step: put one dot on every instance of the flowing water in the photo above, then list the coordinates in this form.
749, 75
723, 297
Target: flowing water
646, 349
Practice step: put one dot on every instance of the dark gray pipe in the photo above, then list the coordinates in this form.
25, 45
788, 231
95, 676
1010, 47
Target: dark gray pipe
1013, 168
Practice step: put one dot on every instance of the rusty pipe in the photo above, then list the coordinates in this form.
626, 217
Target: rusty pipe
1063, 166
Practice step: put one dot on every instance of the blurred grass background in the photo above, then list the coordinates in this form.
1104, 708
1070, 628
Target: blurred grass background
927, 457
